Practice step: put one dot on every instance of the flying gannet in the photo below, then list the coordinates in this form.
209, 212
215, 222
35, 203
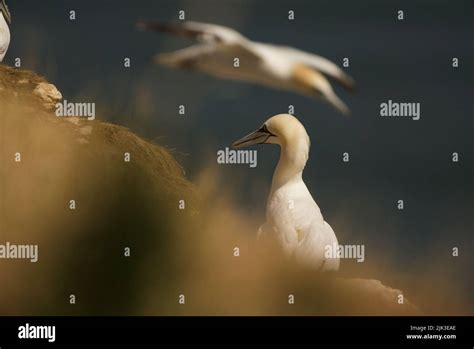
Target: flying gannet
270, 65
292, 216
5, 20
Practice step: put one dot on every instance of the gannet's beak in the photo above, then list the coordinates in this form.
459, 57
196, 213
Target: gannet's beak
6, 12
257, 137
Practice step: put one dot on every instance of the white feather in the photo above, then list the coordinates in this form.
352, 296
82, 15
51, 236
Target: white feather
4, 37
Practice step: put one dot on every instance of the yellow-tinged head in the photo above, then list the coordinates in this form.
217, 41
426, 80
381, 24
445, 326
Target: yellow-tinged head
283, 129
313, 83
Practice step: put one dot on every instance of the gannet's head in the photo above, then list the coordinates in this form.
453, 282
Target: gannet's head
6, 12
282, 129
312, 83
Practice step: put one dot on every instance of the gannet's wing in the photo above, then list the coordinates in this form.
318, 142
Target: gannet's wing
215, 59
187, 57
4, 47
321, 64
217, 41
204, 32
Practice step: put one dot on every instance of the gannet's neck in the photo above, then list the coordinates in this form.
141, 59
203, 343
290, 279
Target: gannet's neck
293, 157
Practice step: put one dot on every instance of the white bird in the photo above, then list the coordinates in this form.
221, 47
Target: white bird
5, 19
274, 66
292, 216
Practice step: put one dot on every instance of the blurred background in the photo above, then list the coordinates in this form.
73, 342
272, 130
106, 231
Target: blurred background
390, 158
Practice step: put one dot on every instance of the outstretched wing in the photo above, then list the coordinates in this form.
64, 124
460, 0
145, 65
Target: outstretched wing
219, 46
204, 32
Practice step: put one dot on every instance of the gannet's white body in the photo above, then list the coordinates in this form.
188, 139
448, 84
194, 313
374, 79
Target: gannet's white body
270, 65
4, 36
292, 216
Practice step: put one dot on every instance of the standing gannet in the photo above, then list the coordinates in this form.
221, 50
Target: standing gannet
270, 65
292, 216
5, 20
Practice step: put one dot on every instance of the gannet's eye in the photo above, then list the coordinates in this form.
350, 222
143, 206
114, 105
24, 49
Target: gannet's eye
265, 129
